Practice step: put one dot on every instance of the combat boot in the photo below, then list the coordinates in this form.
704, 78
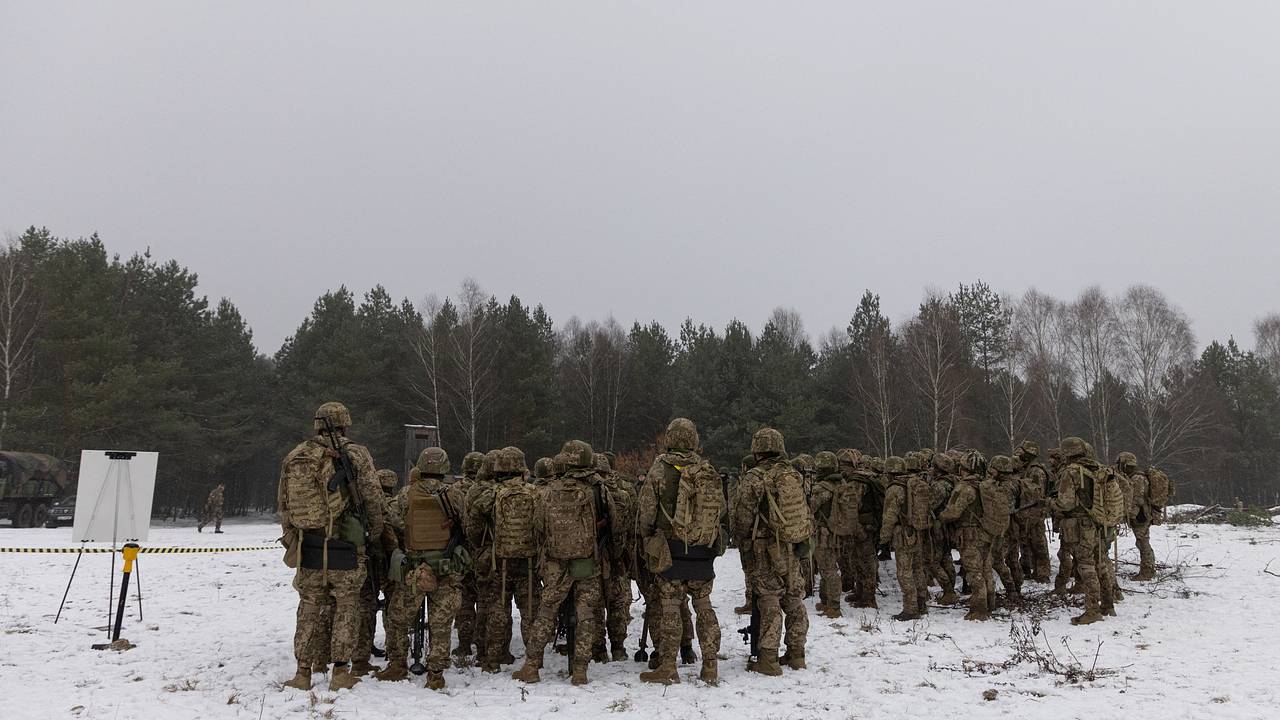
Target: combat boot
599, 654
793, 659
653, 661
820, 606
1108, 609
578, 676
619, 652
767, 664
948, 597
978, 612
1145, 574
687, 655
664, 674
321, 668
342, 679
302, 680
710, 671
435, 681
832, 611
528, 673
1089, 617
490, 667
462, 651
906, 615
362, 668
394, 672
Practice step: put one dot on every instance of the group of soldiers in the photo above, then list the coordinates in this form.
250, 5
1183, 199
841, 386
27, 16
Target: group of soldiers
564, 541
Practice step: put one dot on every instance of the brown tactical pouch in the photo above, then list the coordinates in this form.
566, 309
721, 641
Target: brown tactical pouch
657, 553
426, 525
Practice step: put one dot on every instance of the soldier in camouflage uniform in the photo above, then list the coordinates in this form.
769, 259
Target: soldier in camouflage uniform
303, 479
487, 579
360, 665
831, 539
565, 528
907, 542
1074, 497
1005, 557
433, 576
746, 554
1140, 514
212, 512
775, 580
517, 577
621, 496
1030, 519
938, 560
860, 549
466, 620
803, 463
965, 510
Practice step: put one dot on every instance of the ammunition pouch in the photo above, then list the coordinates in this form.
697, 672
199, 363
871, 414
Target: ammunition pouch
395, 567
342, 555
350, 530
657, 553
442, 562
582, 568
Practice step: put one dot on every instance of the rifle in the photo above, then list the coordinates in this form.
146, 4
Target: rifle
345, 475
567, 625
751, 633
642, 655
419, 639
604, 528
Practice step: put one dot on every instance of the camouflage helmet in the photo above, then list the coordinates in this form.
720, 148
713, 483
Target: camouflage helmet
803, 463
895, 465
543, 468
1073, 447
433, 461
577, 454
876, 463
1128, 461
1028, 450
974, 463
913, 462
471, 463
489, 465
926, 456
944, 463
335, 412
681, 434
1089, 452
826, 463
510, 461
387, 478
1001, 464
558, 466
956, 454
848, 457
748, 462
767, 442
602, 464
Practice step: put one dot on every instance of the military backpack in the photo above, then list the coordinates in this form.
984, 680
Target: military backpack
515, 505
788, 509
305, 474
1108, 502
997, 505
1159, 488
699, 505
571, 521
919, 502
1031, 488
846, 505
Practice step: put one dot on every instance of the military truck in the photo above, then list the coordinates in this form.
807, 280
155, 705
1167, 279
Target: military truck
29, 484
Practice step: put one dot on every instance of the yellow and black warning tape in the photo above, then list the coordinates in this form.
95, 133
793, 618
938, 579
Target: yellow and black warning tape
144, 551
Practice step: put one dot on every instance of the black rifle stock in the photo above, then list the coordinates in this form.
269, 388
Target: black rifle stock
419, 639
751, 633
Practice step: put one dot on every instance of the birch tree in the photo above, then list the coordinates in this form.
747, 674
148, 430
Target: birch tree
1041, 325
472, 351
1095, 353
937, 367
19, 320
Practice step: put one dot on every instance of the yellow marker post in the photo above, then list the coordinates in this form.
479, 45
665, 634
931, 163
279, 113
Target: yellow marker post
130, 552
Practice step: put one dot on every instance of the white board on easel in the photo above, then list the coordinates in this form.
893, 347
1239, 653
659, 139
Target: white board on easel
113, 496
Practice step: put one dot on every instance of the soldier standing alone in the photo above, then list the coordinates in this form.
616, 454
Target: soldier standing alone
212, 512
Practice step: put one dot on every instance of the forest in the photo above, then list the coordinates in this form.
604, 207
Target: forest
100, 351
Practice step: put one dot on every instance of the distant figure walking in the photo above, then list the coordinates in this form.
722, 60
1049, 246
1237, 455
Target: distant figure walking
212, 512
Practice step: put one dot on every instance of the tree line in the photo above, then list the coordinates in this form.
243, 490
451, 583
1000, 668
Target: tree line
97, 351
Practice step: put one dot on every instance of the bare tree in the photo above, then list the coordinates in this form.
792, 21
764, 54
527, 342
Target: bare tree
1158, 351
1266, 332
789, 325
473, 349
593, 361
1095, 353
937, 360
1040, 326
1013, 389
19, 319
430, 343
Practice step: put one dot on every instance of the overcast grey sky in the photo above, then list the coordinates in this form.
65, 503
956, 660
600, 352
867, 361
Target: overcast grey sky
655, 160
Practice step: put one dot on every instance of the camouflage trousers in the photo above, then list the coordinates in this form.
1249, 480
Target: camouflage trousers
1006, 559
827, 557
328, 606
518, 583
672, 595
747, 557
975, 558
557, 584
465, 621
779, 590
653, 611
442, 606
211, 516
1087, 549
1147, 556
908, 557
488, 587
940, 565
614, 614
1035, 547
1067, 538
863, 568
368, 621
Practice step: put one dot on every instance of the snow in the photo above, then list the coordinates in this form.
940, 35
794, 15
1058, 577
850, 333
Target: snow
216, 642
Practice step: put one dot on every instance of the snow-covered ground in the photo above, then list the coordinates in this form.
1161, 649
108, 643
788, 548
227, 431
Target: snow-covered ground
216, 639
